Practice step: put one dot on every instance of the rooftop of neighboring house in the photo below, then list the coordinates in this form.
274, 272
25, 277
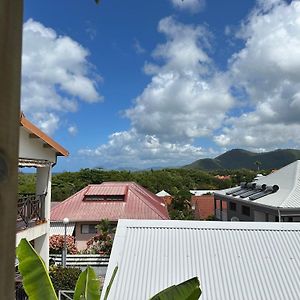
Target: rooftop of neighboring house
201, 192
278, 189
233, 260
163, 193
112, 201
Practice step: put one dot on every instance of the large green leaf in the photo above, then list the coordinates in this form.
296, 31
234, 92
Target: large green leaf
87, 286
36, 281
187, 290
110, 282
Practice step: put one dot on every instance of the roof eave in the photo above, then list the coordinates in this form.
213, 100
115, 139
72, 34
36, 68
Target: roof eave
60, 151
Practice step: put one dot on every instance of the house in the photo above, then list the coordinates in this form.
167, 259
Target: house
233, 260
202, 202
36, 150
166, 196
271, 198
108, 200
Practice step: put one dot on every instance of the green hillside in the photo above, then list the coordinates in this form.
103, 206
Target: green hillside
239, 158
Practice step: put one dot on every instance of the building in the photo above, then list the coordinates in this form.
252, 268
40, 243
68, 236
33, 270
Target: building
202, 202
233, 260
166, 196
39, 151
109, 200
271, 198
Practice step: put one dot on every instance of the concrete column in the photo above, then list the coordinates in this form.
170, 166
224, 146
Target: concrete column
11, 17
41, 245
43, 185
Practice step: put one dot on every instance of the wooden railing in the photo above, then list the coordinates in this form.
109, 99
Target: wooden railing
31, 208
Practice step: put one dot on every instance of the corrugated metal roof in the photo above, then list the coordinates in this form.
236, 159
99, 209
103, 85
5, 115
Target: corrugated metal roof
107, 189
201, 192
139, 204
163, 193
233, 260
59, 228
288, 180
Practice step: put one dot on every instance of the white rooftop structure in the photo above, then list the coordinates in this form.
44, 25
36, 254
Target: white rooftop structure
163, 193
288, 194
201, 192
233, 260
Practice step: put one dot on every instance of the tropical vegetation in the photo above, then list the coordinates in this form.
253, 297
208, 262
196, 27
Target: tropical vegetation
38, 285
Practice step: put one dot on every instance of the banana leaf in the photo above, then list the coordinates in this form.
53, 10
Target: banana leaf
110, 282
187, 290
87, 286
36, 281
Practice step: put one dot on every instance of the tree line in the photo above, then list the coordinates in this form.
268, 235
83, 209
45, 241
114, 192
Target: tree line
174, 181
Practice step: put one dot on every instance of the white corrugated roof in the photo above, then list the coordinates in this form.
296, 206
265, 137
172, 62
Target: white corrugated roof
288, 180
59, 228
163, 193
201, 192
233, 260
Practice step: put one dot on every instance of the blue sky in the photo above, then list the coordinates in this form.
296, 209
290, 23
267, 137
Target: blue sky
139, 84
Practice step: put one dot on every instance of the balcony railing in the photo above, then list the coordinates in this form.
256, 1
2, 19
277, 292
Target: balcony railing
30, 209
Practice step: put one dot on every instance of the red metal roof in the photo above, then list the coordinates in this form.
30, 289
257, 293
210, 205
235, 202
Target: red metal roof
139, 204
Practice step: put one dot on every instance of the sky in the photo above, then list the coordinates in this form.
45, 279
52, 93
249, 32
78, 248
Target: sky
144, 84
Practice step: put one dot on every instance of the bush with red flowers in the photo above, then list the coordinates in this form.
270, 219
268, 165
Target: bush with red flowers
56, 244
99, 244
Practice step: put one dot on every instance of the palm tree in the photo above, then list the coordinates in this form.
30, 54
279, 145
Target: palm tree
258, 164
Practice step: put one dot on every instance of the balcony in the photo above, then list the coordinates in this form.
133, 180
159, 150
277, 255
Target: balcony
30, 210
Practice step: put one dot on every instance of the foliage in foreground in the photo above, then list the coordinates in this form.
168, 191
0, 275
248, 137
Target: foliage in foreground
38, 285
64, 278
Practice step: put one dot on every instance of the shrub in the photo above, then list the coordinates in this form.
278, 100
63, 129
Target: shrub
99, 244
56, 244
64, 278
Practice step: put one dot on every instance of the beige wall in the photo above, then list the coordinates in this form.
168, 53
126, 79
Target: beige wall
82, 238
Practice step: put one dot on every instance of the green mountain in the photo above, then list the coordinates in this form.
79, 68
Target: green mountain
239, 158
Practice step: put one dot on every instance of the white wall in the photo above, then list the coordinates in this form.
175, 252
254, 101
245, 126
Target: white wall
33, 147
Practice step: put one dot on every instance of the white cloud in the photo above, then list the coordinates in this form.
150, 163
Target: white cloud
129, 149
176, 105
73, 130
185, 99
55, 75
268, 69
192, 6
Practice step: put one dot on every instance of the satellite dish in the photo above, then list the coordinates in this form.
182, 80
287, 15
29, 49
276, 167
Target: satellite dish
234, 219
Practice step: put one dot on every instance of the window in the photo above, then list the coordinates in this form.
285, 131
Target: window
88, 228
104, 198
246, 210
232, 206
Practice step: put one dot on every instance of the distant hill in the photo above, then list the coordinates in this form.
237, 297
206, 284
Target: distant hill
239, 158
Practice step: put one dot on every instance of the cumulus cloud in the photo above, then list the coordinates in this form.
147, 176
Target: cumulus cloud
185, 88
192, 6
268, 69
128, 149
55, 75
176, 106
